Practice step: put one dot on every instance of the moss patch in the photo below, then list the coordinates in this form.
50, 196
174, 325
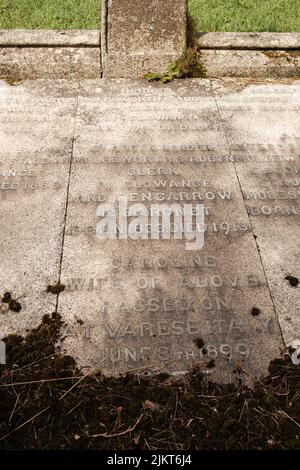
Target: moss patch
188, 66
13, 81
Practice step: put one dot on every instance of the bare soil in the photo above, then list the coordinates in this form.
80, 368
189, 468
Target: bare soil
47, 404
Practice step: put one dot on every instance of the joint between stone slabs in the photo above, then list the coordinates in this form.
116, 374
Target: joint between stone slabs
47, 46
67, 196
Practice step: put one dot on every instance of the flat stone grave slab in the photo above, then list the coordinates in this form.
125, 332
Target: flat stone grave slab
150, 305
36, 133
263, 130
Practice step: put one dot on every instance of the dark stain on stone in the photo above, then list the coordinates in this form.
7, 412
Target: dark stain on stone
56, 288
255, 312
275, 54
294, 281
199, 342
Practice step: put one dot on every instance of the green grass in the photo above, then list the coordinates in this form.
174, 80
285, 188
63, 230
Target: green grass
246, 15
50, 14
211, 15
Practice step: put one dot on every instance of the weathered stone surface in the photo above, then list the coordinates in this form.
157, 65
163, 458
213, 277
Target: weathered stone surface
42, 37
36, 131
147, 304
141, 36
150, 305
257, 41
263, 129
49, 62
247, 63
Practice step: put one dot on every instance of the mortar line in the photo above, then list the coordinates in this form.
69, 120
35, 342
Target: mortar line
100, 45
106, 26
248, 216
100, 59
47, 46
249, 48
67, 194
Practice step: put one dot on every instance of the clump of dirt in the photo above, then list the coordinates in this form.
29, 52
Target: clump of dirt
6, 298
56, 288
47, 404
13, 304
199, 342
255, 312
294, 281
211, 364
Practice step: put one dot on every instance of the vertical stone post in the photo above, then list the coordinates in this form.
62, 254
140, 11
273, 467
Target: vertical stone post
141, 36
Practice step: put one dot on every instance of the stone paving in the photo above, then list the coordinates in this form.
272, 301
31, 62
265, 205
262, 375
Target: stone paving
150, 305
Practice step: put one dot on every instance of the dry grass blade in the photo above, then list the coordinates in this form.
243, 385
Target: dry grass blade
94, 369
24, 424
130, 429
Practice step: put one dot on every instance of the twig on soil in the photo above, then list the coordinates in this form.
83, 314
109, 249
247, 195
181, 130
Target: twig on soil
264, 386
132, 428
39, 381
82, 378
245, 402
249, 374
45, 409
19, 369
281, 412
23, 424
153, 366
12, 413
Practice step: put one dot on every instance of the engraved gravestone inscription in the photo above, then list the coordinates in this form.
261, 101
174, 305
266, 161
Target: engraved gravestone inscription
149, 304
36, 132
84, 171
264, 137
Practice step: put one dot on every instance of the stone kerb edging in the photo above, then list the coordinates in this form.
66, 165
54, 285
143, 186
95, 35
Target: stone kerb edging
256, 55
249, 41
33, 54
49, 38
